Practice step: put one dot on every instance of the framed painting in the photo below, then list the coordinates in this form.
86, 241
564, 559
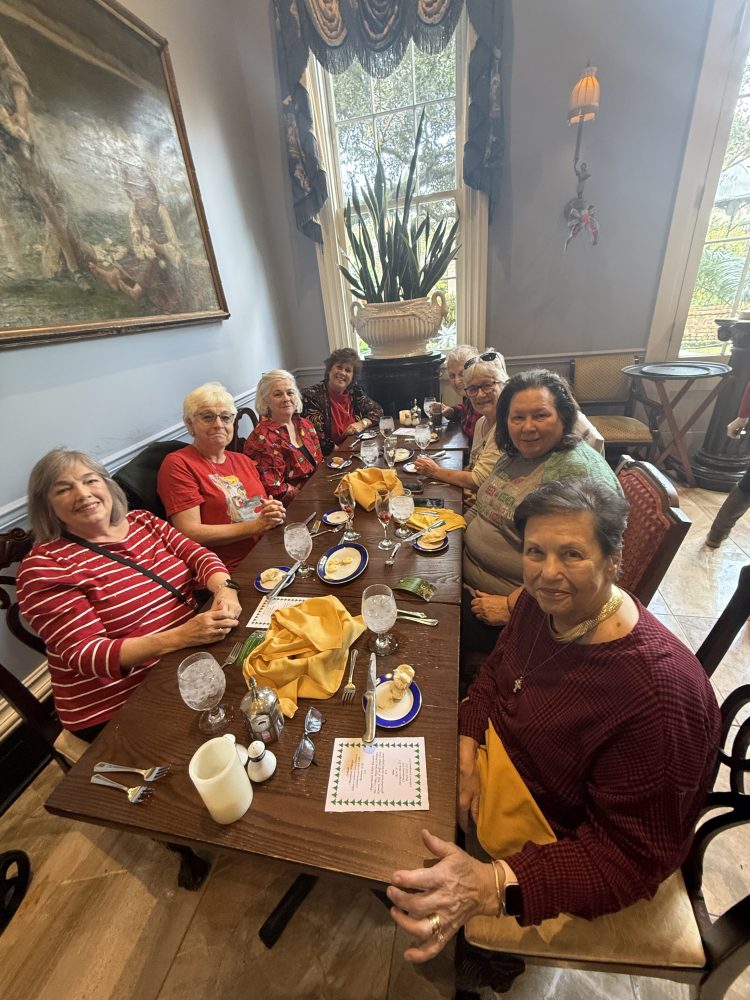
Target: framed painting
102, 229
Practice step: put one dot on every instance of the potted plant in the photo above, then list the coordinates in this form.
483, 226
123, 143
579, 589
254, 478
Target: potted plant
395, 263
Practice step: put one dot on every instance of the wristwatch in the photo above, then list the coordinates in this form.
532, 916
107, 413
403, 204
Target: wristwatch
511, 903
232, 584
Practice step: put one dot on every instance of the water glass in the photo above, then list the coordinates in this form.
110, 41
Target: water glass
383, 513
402, 508
427, 405
202, 685
390, 447
387, 426
369, 451
348, 504
298, 544
379, 614
422, 437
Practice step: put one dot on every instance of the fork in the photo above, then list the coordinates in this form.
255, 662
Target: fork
337, 527
148, 774
135, 795
347, 694
231, 656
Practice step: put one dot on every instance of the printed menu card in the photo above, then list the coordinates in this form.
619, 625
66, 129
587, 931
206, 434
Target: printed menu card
387, 776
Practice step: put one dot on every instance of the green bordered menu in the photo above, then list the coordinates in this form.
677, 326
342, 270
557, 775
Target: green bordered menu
387, 776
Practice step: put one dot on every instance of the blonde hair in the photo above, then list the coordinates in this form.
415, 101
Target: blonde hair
208, 394
263, 391
45, 524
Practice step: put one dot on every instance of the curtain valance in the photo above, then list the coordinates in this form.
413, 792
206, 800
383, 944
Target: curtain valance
378, 32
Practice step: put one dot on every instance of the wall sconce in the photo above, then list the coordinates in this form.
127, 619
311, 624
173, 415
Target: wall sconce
584, 104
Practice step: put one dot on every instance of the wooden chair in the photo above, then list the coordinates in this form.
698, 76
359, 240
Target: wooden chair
656, 527
39, 716
672, 935
597, 380
238, 443
138, 476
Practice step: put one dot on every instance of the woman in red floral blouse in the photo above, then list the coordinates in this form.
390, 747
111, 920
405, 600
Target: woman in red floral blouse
284, 445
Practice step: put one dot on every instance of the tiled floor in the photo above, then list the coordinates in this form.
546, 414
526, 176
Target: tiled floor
104, 919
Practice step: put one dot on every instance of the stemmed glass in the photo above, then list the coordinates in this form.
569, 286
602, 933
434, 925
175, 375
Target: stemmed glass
369, 451
202, 685
390, 447
427, 405
402, 508
298, 544
383, 512
422, 437
387, 426
379, 613
348, 504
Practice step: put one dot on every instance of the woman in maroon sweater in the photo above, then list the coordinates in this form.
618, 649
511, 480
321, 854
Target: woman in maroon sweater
603, 722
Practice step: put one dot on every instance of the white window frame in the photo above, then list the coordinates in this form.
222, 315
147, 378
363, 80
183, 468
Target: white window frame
471, 262
715, 99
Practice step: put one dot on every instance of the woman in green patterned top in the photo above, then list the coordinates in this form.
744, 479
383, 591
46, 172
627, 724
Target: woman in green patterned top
536, 414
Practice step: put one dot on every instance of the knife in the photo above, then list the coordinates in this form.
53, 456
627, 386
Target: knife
370, 703
308, 519
413, 538
284, 580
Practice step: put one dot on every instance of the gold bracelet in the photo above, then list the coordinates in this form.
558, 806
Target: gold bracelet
500, 907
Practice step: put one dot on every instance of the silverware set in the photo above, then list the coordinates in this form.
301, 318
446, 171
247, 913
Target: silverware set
417, 618
136, 794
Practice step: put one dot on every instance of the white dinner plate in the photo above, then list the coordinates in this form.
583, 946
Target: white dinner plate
403, 454
333, 517
347, 572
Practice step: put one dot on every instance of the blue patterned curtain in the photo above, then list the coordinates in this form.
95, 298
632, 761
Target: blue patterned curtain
378, 32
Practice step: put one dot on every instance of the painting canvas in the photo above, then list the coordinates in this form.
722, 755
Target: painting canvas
102, 229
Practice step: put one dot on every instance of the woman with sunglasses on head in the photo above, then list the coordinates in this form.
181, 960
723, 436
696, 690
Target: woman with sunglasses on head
212, 495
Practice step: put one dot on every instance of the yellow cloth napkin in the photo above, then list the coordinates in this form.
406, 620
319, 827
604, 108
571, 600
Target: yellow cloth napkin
420, 519
365, 484
305, 651
508, 814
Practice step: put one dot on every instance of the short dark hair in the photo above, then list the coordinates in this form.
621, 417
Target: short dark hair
344, 356
537, 378
576, 496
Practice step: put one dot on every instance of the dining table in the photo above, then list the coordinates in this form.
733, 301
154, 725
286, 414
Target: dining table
287, 819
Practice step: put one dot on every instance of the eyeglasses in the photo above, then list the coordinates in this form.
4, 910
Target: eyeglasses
489, 356
304, 755
210, 418
484, 387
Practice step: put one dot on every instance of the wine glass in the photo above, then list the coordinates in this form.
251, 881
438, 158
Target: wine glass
348, 504
369, 451
427, 405
298, 545
402, 508
390, 447
422, 437
383, 513
387, 426
379, 613
202, 685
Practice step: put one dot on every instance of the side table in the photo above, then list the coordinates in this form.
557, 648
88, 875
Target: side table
687, 372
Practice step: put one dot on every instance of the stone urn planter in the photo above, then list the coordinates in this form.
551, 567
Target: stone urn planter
399, 329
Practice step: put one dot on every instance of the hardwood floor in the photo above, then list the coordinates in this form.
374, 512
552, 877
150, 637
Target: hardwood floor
104, 917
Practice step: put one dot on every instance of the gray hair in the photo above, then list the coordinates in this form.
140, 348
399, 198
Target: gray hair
263, 391
208, 394
486, 369
460, 355
45, 524
608, 507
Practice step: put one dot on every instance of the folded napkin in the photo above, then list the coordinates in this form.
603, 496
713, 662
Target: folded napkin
305, 651
365, 484
420, 519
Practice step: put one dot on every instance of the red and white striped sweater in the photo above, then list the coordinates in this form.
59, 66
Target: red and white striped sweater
84, 605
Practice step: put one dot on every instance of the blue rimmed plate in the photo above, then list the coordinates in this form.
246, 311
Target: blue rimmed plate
334, 517
342, 563
389, 716
366, 435
267, 590
429, 550
337, 462
403, 454
411, 468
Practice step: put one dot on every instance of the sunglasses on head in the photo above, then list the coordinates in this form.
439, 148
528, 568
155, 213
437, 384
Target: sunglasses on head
488, 356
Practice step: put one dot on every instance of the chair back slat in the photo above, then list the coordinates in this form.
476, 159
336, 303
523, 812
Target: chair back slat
237, 443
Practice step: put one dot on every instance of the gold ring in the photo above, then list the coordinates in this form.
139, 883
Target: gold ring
435, 925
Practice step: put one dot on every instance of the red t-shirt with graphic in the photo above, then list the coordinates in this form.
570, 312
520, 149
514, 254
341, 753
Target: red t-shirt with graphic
226, 493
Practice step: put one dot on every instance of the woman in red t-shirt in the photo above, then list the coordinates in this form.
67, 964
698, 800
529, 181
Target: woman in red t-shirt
212, 495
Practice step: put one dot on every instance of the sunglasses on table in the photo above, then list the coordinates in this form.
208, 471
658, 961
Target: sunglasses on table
304, 755
488, 356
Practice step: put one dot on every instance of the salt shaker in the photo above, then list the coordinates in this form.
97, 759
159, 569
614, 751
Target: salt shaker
262, 712
262, 762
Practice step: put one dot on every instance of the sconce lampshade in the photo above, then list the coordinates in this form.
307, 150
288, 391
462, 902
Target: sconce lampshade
584, 98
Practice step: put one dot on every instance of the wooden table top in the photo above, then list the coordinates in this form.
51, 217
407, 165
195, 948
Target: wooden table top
450, 437
287, 819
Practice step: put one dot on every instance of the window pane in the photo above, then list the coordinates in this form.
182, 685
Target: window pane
738, 146
396, 137
351, 93
396, 91
356, 154
437, 158
435, 76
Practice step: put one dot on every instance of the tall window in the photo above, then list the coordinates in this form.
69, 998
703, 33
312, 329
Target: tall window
355, 113
722, 286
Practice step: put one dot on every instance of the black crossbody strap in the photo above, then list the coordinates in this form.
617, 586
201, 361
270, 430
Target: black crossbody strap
133, 565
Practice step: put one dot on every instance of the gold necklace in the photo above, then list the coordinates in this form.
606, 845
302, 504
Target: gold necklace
568, 637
